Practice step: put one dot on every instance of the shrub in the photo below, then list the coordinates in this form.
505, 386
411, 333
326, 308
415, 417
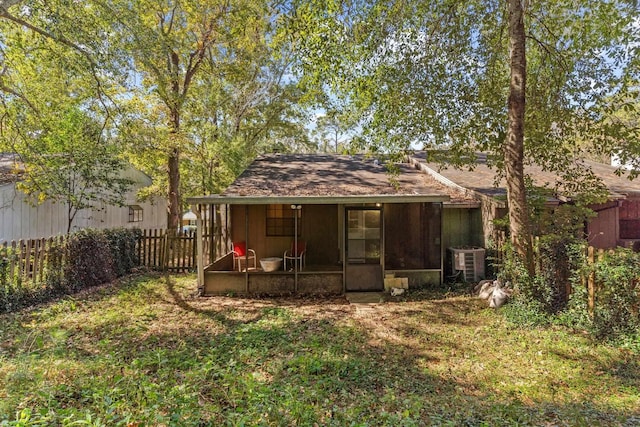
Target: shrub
12, 292
558, 252
4, 283
89, 260
526, 313
55, 269
122, 246
617, 277
616, 314
576, 314
558, 258
540, 297
528, 304
80, 260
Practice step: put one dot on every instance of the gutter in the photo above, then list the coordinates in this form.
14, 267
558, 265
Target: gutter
316, 200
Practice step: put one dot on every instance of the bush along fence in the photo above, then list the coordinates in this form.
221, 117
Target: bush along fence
33, 271
613, 291
582, 286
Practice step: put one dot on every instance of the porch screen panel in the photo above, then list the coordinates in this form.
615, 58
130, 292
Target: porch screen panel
412, 236
432, 217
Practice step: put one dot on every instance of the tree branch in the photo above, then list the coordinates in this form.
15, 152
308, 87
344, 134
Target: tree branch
61, 39
4, 13
10, 91
199, 55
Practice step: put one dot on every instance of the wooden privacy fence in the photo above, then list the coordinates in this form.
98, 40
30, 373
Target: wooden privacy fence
594, 255
174, 252
24, 260
29, 260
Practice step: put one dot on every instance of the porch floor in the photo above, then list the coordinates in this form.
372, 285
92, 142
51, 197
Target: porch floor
307, 269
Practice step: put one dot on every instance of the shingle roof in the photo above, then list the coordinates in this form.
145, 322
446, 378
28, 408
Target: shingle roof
482, 179
327, 175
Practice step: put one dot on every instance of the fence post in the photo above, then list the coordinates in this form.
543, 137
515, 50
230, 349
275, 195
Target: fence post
35, 270
13, 260
139, 246
158, 247
194, 250
4, 266
591, 282
165, 245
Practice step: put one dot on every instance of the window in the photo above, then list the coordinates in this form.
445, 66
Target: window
363, 236
630, 219
135, 213
281, 220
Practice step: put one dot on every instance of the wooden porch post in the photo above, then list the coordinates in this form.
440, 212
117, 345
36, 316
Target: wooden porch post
342, 224
246, 253
442, 248
296, 208
199, 249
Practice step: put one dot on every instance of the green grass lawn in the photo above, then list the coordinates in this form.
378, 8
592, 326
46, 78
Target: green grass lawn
148, 352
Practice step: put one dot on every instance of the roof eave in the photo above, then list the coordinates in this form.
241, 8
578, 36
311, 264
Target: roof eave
316, 200
449, 183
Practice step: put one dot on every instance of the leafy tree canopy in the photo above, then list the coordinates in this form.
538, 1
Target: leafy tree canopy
436, 74
190, 89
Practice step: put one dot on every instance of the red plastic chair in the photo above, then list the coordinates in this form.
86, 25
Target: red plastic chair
241, 253
295, 254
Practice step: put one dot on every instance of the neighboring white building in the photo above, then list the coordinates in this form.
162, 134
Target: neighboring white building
21, 219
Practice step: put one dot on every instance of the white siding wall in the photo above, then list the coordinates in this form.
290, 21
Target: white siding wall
19, 219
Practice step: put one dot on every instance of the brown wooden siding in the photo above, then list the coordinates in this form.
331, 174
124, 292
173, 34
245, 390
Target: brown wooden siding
602, 231
462, 227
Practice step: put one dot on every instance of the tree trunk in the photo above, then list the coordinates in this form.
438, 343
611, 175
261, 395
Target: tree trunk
70, 217
514, 144
173, 165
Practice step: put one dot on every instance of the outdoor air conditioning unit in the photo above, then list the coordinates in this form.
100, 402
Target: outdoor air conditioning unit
470, 261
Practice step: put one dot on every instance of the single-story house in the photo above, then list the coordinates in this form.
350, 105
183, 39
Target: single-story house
617, 221
357, 223
22, 218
